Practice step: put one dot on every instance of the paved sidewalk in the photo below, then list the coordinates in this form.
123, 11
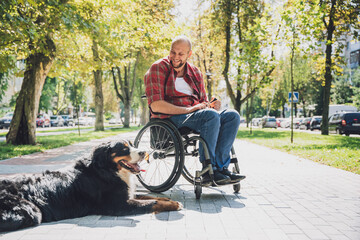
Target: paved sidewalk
283, 197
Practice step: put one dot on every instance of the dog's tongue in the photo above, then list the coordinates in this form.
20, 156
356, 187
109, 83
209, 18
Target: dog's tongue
136, 167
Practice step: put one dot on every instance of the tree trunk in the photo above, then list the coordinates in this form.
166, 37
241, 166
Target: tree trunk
292, 88
99, 101
99, 98
228, 22
144, 112
304, 109
127, 114
328, 67
237, 103
23, 125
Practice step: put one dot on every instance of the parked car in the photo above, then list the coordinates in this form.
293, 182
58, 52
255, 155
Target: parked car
256, 121
43, 120
90, 121
56, 121
345, 123
269, 122
285, 123
279, 120
81, 121
315, 122
305, 123
6, 120
296, 123
68, 120
114, 121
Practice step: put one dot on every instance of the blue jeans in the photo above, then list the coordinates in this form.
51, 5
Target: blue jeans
218, 129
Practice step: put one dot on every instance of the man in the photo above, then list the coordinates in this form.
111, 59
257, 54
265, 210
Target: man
175, 89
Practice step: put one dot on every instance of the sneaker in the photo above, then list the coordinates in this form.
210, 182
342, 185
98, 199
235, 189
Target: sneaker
206, 180
220, 178
233, 176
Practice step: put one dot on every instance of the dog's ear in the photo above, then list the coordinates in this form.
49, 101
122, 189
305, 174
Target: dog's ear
101, 157
130, 143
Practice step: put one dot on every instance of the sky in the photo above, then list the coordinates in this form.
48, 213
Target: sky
185, 10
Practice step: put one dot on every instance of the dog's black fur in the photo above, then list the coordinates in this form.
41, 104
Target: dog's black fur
94, 186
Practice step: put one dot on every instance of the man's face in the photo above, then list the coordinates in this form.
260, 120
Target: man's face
179, 54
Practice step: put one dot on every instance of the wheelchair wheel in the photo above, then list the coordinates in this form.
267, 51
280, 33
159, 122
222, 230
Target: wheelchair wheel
166, 152
191, 161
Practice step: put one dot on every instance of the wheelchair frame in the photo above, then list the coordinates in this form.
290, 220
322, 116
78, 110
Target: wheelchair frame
163, 140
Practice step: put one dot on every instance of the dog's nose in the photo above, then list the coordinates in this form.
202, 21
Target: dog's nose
142, 154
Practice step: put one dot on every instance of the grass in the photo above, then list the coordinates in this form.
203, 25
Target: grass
333, 150
3, 134
55, 141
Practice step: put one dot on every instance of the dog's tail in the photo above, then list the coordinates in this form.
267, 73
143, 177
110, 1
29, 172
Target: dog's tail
18, 213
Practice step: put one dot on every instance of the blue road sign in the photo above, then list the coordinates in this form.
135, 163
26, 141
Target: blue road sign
296, 97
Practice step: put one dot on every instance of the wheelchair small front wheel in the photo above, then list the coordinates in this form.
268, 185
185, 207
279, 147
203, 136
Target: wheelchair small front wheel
236, 188
166, 156
198, 188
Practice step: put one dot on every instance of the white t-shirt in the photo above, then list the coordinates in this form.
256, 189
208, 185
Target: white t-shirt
182, 86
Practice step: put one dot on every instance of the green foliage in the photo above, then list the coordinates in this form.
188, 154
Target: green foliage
47, 94
3, 84
26, 24
342, 92
356, 87
77, 93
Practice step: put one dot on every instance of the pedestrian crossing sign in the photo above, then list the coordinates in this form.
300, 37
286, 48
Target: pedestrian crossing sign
295, 97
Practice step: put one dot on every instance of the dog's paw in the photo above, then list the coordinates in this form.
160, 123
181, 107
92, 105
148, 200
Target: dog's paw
161, 206
180, 206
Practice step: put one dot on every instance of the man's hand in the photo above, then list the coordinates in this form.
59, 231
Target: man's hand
197, 107
215, 104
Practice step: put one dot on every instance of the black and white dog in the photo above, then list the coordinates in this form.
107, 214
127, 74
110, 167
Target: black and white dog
96, 185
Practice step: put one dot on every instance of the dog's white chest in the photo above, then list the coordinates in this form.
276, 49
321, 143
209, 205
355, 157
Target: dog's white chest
128, 178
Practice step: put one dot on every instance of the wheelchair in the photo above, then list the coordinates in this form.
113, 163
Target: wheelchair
174, 152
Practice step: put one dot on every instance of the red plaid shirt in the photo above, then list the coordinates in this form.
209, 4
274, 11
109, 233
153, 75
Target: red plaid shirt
160, 85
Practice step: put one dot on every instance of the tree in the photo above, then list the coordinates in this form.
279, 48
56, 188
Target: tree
339, 18
139, 32
28, 29
126, 86
207, 50
251, 52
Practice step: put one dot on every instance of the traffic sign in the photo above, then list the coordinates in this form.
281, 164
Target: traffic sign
295, 97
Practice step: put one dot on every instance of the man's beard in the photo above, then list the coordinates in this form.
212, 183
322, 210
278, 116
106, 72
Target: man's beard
180, 64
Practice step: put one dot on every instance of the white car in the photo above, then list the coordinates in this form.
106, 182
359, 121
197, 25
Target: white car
81, 121
269, 122
6, 120
114, 121
285, 123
